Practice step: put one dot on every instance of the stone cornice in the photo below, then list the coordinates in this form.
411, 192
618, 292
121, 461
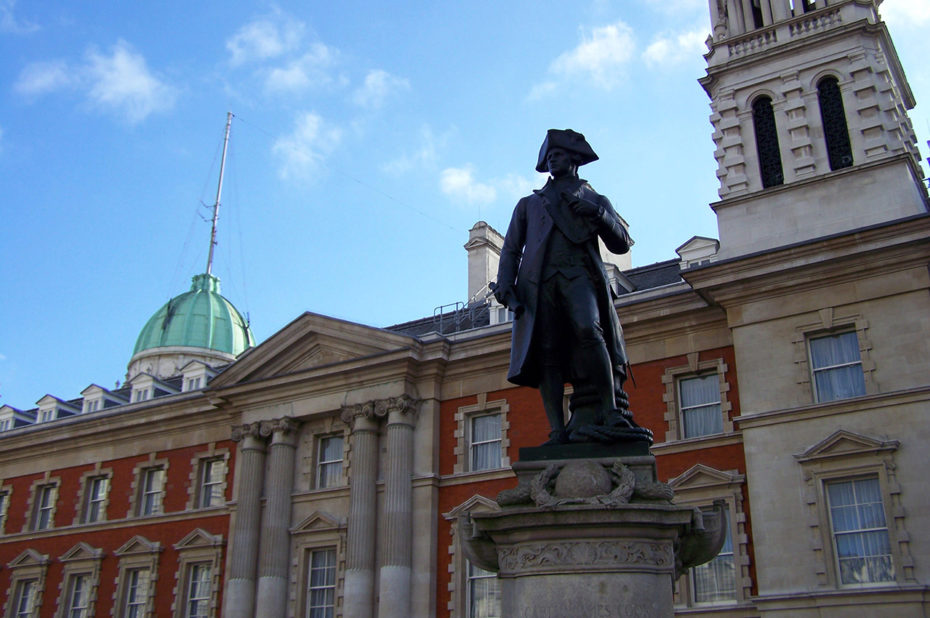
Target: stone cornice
873, 251
834, 408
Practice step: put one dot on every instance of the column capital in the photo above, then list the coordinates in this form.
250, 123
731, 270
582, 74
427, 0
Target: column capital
247, 430
281, 430
401, 409
397, 409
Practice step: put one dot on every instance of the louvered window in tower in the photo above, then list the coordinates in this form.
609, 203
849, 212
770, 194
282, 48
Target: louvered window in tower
763, 120
833, 116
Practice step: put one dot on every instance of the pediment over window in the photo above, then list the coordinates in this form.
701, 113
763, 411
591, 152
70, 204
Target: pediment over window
82, 551
843, 443
700, 475
28, 558
199, 538
309, 342
475, 504
319, 521
138, 545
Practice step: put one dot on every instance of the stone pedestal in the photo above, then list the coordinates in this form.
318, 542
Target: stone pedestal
590, 538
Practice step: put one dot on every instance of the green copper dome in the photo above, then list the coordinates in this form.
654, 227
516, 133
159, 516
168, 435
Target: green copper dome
201, 318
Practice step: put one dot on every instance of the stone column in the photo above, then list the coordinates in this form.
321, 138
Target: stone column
273, 560
359, 585
394, 582
239, 600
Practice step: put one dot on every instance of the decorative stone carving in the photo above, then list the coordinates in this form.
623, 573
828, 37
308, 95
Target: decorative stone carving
558, 556
240, 432
584, 482
284, 425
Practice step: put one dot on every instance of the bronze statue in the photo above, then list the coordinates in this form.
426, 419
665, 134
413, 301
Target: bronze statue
552, 277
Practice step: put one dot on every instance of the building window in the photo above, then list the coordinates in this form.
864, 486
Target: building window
198, 591
699, 403
212, 483
833, 116
484, 593
95, 500
193, 384
4, 503
136, 592
5, 424
329, 462
860, 532
485, 442
46, 415
481, 440
44, 507
763, 120
714, 582
321, 584
78, 602
836, 367
151, 491
24, 601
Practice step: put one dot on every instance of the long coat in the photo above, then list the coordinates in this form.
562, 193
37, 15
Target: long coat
522, 260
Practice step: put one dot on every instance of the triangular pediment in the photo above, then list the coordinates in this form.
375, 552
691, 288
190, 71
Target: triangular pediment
138, 545
199, 538
82, 551
844, 443
319, 521
475, 504
311, 341
699, 476
28, 558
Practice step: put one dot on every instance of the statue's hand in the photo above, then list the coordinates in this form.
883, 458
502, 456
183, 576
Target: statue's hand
507, 297
580, 206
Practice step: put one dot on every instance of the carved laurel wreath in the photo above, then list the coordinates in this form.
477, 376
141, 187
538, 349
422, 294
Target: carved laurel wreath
621, 477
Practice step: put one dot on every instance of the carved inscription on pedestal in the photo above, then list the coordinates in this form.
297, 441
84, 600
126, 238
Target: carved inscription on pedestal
569, 556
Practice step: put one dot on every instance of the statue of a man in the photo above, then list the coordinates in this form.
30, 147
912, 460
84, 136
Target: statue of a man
552, 277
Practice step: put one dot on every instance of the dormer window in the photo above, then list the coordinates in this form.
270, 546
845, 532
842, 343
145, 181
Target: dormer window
141, 395
192, 384
47, 415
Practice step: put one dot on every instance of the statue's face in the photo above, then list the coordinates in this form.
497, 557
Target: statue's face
560, 162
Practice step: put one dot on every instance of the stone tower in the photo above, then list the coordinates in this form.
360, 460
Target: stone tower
809, 110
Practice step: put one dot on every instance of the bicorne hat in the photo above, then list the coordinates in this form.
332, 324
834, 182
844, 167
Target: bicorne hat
568, 140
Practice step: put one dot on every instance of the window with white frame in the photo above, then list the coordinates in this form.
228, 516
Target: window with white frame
193, 384
136, 592
484, 442
329, 462
484, 594
4, 503
198, 590
696, 399
43, 511
95, 499
699, 405
24, 599
481, 439
836, 366
151, 491
860, 532
714, 582
212, 482
321, 584
6, 424
46, 415
77, 604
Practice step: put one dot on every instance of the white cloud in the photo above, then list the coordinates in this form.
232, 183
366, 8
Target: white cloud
122, 82
303, 152
675, 48
906, 13
459, 183
600, 59
515, 186
119, 82
424, 156
263, 39
310, 69
378, 86
9, 23
40, 78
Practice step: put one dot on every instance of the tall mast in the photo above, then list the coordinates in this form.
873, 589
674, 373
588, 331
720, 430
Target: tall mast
219, 192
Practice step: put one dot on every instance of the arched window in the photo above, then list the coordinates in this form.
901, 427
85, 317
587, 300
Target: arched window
763, 120
834, 123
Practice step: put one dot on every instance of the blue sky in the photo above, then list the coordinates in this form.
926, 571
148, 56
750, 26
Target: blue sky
369, 137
